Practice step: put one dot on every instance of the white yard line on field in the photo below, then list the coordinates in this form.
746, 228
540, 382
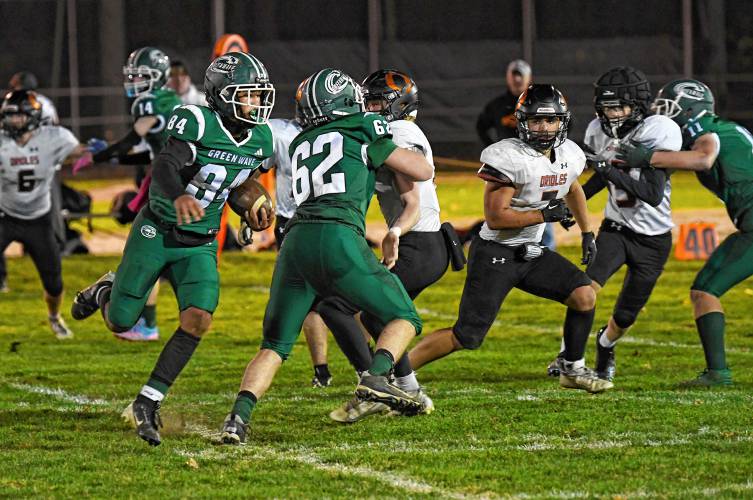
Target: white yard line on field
59, 394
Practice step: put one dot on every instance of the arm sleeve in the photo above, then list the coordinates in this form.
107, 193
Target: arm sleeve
168, 164
649, 188
593, 185
119, 148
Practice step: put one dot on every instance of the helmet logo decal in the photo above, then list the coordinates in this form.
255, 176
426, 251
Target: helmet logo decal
225, 64
336, 82
545, 110
691, 90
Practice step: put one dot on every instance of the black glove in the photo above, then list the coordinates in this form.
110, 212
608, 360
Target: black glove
634, 155
588, 245
245, 235
556, 211
567, 223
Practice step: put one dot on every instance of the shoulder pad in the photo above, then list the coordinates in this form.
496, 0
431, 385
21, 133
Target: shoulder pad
376, 127
187, 123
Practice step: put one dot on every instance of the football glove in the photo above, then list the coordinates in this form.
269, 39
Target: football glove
245, 235
588, 245
82, 163
95, 145
634, 155
556, 211
597, 162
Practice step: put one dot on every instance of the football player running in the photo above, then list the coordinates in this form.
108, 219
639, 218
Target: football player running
719, 152
30, 155
211, 150
636, 230
325, 251
314, 329
414, 248
145, 75
530, 180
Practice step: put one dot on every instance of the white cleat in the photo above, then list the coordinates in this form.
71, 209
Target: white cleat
355, 410
582, 378
60, 329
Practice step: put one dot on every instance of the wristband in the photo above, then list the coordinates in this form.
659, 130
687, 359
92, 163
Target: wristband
396, 230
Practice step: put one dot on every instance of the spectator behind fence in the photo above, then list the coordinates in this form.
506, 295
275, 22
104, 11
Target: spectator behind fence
497, 120
180, 81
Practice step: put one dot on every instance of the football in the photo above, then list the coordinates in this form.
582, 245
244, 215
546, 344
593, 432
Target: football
251, 196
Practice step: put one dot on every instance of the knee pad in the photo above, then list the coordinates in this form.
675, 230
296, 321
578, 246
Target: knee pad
468, 341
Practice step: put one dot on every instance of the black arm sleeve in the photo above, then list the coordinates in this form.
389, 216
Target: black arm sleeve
119, 148
168, 165
143, 158
649, 188
593, 185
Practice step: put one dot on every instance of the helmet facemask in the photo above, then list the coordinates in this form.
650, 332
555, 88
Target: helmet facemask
542, 140
20, 103
233, 95
619, 127
141, 79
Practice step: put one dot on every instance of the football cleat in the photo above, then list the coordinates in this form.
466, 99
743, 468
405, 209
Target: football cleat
59, 328
233, 430
85, 303
710, 378
140, 332
553, 370
4, 286
321, 381
427, 405
581, 378
355, 410
605, 365
145, 417
378, 389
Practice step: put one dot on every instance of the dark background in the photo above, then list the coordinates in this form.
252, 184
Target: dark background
457, 51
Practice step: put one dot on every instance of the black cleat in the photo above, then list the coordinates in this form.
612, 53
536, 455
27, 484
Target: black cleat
605, 364
553, 370
233, 430
378, 389
85, 303
147, 420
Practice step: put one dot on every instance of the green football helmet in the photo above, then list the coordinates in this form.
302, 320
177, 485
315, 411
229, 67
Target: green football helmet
684, 101
227, 84
327, 95
145, 70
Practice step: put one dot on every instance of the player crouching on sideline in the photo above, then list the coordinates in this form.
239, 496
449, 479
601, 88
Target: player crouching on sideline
30, 155
528, 181
414, 249
719, 152
325, 251
211, 150
637, 225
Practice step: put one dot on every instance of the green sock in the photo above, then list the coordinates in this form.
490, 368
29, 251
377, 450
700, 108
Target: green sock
382, 363
244, 405
150, 315
711, 330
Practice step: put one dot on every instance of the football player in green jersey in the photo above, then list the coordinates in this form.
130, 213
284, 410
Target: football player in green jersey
325, 252
720, 152
145, 75
210, 151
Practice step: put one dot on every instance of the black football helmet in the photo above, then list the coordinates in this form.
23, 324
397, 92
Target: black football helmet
396, 93
622, 86
20, 102
542, 100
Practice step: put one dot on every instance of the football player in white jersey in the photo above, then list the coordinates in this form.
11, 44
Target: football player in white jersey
414, 248
530, 180
30, 155
284, 131
637, 225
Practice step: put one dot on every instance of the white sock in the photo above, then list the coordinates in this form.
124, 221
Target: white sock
581, 363
408, 382
53, 317
562, 344
152, 393
605, 342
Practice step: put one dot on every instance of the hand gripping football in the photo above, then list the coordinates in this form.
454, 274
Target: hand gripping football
250, 197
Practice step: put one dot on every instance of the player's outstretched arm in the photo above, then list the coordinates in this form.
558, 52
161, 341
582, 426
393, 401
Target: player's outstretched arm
701, 157
410, 163
499, 214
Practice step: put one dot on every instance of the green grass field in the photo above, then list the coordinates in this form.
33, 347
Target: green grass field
501, 428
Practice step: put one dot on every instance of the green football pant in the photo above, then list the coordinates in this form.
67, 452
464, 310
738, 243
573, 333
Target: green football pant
151, 252
729, 264
326, 259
